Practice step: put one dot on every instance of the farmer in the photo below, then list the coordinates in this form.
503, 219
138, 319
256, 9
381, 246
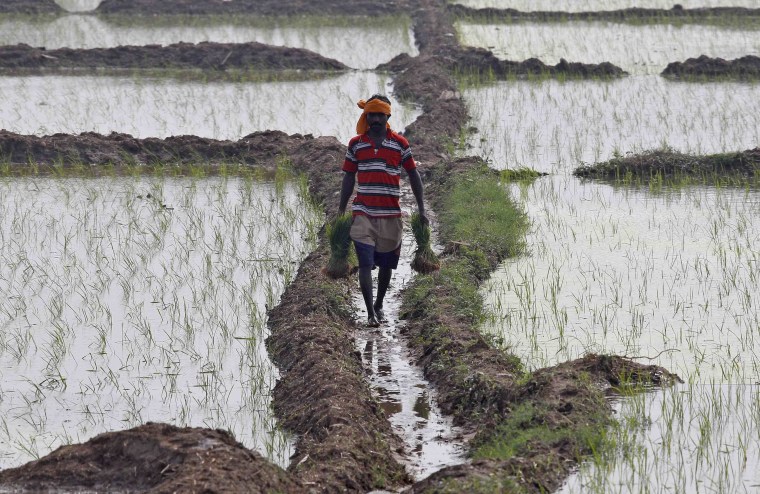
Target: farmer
377, 154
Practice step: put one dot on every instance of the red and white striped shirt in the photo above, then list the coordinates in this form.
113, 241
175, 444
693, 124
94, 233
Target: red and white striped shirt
379, 173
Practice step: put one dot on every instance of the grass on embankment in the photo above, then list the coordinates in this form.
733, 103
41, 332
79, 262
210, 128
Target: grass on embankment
665, 166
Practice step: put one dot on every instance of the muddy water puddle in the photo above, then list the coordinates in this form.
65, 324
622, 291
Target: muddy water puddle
599, 5
135, 300
554, 126
148, 107
637, 49
352, 41
432, 442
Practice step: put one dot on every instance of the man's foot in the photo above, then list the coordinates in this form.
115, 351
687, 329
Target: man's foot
372, 322
380, 314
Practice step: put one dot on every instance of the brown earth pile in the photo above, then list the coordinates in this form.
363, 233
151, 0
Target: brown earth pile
156, 458
705, 67
205, 56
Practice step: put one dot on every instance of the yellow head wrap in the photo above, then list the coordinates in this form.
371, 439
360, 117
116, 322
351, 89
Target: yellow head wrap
373, 106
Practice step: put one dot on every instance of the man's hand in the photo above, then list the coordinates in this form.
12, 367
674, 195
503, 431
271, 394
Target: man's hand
424, 219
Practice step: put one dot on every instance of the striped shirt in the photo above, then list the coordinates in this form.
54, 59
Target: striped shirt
379, 173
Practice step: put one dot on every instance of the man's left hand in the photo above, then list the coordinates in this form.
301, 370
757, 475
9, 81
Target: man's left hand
424, 219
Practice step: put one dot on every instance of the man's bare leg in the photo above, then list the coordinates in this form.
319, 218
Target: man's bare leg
383, 280
365, 282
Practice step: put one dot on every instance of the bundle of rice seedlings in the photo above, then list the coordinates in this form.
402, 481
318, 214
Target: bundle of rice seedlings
339, 265
425, 261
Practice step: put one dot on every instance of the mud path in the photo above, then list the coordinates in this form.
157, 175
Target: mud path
431, 441
203, 56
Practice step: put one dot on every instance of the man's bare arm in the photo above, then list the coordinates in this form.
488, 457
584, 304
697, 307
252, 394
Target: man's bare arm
416, 182
346, 189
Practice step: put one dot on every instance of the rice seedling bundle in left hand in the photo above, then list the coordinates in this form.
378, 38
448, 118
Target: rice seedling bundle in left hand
425, 261
339, 265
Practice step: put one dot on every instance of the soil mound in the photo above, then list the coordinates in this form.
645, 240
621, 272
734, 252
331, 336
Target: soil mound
705, 67
29, 7
90, 148
252, 7
666, 163
206, 56
157, 458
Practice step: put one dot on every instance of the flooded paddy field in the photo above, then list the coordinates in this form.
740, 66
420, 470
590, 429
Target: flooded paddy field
323, 35
657, 274
664, 273
554, 126
131, 300
637, 49
162, 107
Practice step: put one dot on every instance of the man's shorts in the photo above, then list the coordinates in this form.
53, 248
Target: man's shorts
377, 241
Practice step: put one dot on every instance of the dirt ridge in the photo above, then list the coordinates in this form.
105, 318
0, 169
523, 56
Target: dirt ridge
251, 7
676, 13
704, 67
30, 7
204, 55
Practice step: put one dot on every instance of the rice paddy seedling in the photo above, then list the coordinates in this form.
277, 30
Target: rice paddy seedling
425, 261
338, 230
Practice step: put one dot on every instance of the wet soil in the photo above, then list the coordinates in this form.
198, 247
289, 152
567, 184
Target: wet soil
204, 56
157, 458
674, 14
707, 68
29, 7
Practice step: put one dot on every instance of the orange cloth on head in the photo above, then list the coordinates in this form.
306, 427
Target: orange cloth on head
374, 106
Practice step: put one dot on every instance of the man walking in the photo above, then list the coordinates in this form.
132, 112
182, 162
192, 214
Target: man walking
377, 154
